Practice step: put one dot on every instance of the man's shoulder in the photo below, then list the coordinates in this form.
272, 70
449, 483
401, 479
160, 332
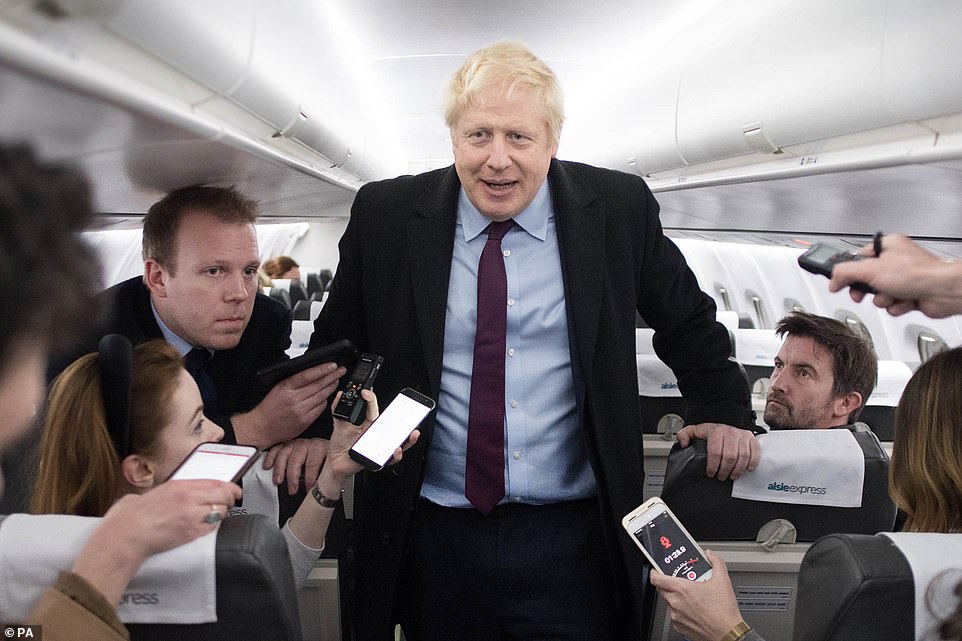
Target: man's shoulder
269, 312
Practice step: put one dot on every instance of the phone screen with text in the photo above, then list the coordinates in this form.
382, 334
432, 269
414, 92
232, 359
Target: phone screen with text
674, 552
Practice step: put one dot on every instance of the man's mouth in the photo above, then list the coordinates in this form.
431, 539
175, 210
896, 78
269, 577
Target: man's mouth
500, 185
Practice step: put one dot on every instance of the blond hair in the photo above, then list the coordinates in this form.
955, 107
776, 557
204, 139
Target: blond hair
514, 67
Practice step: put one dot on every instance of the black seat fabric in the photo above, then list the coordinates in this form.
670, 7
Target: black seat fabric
707, 508
881, 418
281, 295
255, 589
855, 586
297, 291
302, 310
314, 283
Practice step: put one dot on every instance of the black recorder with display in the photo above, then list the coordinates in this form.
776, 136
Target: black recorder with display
821, 259
352, 407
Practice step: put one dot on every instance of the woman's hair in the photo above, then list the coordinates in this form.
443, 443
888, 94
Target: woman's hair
278, 265
79, 467
925, 475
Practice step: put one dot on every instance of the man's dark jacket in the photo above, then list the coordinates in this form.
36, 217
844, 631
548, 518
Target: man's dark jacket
389, 297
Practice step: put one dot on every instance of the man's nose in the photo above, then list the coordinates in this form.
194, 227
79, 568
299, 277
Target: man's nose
499, 157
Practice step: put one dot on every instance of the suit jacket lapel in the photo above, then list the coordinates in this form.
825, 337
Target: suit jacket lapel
430, 249
581, 238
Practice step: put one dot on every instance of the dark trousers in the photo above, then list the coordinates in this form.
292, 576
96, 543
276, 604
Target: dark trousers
522, 572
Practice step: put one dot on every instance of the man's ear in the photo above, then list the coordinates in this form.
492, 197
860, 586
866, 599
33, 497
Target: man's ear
155, 277
139, 471
845, 405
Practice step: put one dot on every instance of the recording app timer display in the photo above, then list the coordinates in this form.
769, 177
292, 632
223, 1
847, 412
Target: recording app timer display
668, 545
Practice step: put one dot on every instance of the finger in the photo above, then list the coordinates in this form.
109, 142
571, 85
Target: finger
714, 454
684, 436
856, 295
315, 459
269, 457
295, 463
372, 407
412, 439
324, 371
744, 456
902, 307
755, 453
280, 462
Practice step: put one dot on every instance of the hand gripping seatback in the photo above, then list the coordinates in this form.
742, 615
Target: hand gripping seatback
854, 586
255, 589
707, 508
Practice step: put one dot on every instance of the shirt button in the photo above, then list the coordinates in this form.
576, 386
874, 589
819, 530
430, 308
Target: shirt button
510, 302
506, 252
516, 454
510, 351
514, 403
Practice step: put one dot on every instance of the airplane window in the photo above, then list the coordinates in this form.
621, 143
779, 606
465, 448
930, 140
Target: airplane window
858, 327
930, 344
756, 302
723, 292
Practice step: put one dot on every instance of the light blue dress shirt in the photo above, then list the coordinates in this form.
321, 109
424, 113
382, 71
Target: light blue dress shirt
175, 341
545, 456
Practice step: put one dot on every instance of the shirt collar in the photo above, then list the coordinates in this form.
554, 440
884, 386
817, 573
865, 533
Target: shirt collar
533, 219
175, 341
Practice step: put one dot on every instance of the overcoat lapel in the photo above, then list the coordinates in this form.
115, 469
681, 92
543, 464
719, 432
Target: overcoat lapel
430, 249
581, 238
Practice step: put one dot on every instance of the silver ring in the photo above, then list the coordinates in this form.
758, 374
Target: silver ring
213, 516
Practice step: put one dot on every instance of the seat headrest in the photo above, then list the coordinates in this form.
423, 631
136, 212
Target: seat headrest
255, 589
707, 508
854, 586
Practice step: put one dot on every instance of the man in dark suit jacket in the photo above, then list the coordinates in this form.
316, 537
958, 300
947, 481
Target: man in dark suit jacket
586, 251
200, 293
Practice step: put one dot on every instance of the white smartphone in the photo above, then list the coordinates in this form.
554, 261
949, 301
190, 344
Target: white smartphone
218, 461
375, 447
665, 541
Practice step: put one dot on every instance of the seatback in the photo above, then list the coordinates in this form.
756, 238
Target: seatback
279, 294
255, 589
707, 508
297, 291
314, 284
879, 410
302, 310
854, 586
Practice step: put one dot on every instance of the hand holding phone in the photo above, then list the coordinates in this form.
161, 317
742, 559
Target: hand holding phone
218, 461
388, 432
351, 406
821, 258
665, 542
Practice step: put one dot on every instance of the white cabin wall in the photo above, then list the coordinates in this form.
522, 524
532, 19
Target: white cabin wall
317, 249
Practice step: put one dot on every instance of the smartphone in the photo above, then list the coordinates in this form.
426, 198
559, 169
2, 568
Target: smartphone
376, 446
665, 542
351, 407
821, 258
218, 461
342, 352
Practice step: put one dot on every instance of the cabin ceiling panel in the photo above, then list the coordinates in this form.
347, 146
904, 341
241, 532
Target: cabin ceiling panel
918, 200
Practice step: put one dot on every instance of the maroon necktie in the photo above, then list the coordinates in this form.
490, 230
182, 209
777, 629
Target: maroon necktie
484, 466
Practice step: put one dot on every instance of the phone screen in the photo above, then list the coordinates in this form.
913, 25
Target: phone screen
672, 550
215, 461
391, 428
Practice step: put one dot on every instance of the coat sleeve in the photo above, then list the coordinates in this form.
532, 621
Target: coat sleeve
72, 610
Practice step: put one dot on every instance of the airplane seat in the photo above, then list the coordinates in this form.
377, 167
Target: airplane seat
297, 291
879, 410
326, 276
763, 543
314, 284
661, 410
279, 294
301, 330
745, 321
885, 587
755, 350
727, 318
317, 296
709, 511
302, 310
255, 589
317, 306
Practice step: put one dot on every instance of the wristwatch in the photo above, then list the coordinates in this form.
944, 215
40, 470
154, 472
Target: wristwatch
322, 500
